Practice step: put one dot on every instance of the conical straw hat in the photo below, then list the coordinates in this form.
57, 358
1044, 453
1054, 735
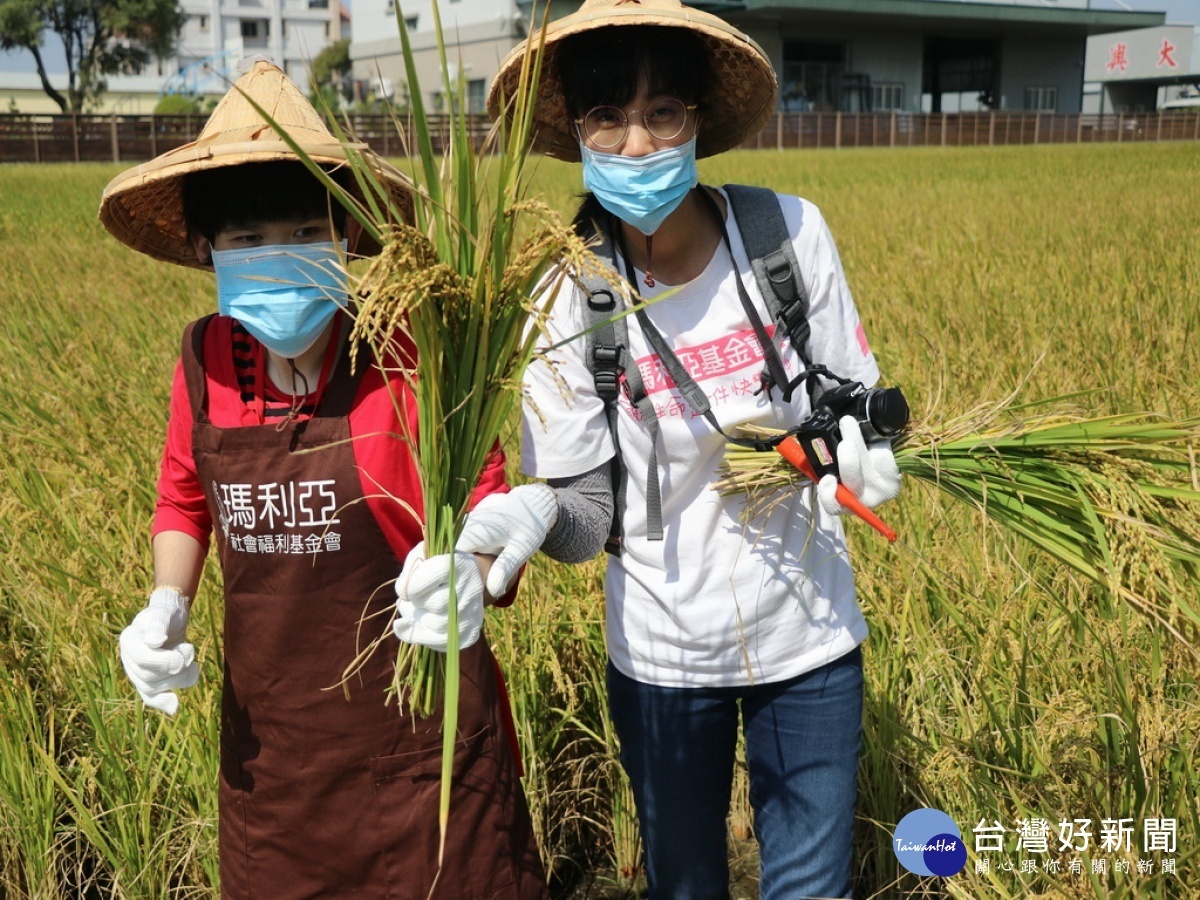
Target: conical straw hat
143, 206
739, 103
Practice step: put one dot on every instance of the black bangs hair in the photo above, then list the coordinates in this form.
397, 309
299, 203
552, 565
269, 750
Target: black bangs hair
603, 66
236, 196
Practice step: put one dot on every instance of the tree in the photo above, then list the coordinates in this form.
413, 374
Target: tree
177, 105
330, 69
99, 37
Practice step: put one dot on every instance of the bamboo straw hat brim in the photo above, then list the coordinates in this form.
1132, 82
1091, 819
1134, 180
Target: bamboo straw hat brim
739, 103
143, 206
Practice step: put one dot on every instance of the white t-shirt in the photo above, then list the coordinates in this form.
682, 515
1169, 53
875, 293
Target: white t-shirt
718, 602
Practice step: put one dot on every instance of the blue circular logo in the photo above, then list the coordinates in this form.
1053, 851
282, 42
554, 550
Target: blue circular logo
927, 842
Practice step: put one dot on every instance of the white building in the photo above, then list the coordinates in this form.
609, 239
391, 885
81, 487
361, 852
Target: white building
850, 55
1141, 70
220, 33
215, 37
479, 33
929, 55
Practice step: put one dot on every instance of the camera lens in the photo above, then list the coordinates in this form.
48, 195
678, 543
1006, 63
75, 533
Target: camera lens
886, 412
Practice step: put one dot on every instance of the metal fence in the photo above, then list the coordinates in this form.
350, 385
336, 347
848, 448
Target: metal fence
792, 130
115, 138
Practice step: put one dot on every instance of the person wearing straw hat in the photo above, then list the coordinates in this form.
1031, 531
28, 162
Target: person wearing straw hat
710, 619
284, 450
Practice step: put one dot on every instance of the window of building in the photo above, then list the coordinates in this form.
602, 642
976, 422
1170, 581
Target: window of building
256, 29
477, 95
887, 96
1041, 99
410, 22
812, 75
318, 4
202, 24
328, 29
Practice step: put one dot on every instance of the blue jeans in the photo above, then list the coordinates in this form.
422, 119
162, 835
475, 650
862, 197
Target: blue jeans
802, 741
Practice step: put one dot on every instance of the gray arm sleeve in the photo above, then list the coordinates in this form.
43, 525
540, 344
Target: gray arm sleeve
585, 511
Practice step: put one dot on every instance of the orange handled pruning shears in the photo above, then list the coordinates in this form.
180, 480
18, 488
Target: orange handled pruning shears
789, 448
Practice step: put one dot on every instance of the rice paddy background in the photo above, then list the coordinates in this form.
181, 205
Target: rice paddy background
1000, 688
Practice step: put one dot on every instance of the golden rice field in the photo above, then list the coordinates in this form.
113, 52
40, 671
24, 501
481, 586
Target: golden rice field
1000, 687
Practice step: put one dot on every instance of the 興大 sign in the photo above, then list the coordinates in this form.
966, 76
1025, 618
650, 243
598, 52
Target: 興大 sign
1144, 54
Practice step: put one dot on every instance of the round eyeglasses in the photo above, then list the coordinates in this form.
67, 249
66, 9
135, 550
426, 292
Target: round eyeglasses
606, 126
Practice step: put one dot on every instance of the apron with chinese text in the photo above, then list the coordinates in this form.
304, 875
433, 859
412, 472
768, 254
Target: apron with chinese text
325, 790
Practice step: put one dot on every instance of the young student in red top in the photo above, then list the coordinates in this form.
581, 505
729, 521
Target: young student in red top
290, 458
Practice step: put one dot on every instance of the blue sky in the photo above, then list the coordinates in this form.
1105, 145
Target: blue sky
1179, 12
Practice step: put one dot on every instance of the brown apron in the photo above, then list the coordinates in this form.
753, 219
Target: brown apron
320, 795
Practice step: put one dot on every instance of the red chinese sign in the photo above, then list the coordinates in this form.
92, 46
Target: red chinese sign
1116, 58
1164, 56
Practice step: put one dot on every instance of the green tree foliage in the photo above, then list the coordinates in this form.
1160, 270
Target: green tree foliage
177, 105
331, 65
99, 37
328, 74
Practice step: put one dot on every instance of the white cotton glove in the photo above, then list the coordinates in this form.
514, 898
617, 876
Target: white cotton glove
154, 651
510, 527
869, 471
423, 599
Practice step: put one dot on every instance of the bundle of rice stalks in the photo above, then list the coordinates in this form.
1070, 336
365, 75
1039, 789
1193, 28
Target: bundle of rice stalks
460, 291
1115, 498
458, 286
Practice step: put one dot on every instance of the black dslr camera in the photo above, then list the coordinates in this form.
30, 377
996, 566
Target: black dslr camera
881, 413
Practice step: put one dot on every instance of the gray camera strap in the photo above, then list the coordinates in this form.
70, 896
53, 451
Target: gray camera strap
691, 392
693, 395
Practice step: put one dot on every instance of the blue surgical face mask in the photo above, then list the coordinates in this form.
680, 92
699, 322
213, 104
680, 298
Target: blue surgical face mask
641, 190
284, 294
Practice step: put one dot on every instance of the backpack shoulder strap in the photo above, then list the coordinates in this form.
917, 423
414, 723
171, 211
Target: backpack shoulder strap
608, 357
773, 259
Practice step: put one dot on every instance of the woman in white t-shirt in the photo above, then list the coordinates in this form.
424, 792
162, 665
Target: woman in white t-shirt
710, 620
